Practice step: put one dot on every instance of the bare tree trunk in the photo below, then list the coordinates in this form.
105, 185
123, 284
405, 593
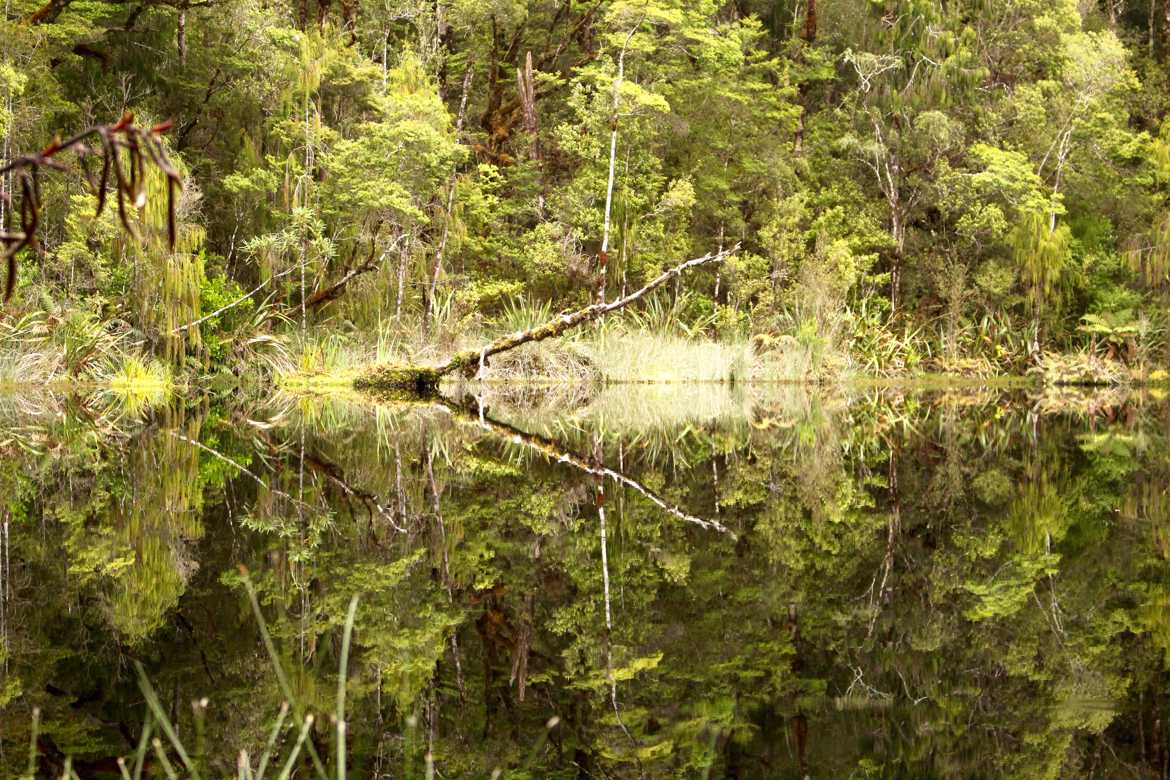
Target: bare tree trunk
603, 257
1165, 28
810, 35
5, 157
182, 37
527, 88
403, 256
898, 232
307, 177
1153, 7
437, 272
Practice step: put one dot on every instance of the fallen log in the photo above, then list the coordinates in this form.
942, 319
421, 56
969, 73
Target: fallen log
424, 380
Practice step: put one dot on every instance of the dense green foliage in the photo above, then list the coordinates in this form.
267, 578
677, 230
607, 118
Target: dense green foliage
916, 183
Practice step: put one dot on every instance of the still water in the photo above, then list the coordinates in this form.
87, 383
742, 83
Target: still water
651, 582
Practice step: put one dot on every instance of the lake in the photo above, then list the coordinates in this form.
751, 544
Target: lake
654, 581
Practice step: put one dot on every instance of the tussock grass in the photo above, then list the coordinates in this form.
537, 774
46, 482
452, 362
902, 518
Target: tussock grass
27, 356
1081, 368
134, 384
134, 374
622, 355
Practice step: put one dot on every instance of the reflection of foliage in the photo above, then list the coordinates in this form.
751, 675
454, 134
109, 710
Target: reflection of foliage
919, 570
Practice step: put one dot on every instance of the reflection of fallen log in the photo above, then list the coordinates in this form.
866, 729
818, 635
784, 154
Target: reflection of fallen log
424, 380
554, 451
334, 473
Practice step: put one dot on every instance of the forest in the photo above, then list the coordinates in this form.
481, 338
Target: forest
784, 462
288, 192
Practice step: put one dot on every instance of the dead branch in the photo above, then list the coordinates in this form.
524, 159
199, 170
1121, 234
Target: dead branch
424, 380
336, 290
553, 451
233, 304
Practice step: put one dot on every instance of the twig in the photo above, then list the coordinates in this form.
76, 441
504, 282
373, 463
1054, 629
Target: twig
140, 143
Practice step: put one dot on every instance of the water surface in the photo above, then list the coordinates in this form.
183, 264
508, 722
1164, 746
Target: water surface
684, 582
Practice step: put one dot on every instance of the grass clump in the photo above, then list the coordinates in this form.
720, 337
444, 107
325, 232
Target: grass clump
622, 355
1081, 368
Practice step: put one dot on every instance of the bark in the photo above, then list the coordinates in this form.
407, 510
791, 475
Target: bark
810, 35
181, 36
527, 85
1165, 29
424, 380
335, 291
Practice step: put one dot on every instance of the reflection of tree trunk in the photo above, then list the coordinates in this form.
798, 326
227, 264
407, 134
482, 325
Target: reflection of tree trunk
521, 652
800, 720
398, 483
496, 634
437, 508
599, 502
884, 591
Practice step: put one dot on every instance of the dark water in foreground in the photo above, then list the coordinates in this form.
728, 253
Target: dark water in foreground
693, 582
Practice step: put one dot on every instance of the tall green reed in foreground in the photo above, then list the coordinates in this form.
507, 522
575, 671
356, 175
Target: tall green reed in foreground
176, 761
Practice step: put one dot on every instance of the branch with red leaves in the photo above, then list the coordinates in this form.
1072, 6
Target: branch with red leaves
124, 148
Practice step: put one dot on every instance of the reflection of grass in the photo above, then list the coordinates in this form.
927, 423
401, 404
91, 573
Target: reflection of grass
136, 384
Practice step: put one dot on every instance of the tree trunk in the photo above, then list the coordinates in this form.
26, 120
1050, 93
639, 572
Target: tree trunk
182, 37
403, 255
603, 255
898, 233
437, 272
1165, 29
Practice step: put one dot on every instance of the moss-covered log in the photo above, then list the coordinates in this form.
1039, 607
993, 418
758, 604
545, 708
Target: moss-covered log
421, 380
424, 380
